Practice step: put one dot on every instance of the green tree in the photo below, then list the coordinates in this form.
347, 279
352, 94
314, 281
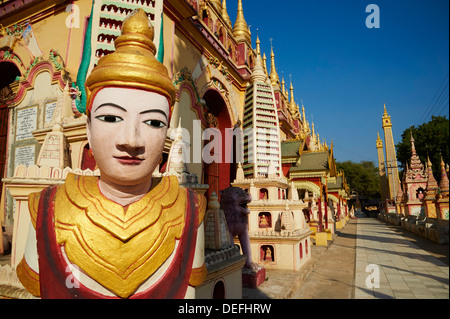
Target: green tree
430, 139
362, 177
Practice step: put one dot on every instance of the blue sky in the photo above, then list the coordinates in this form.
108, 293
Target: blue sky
344, 72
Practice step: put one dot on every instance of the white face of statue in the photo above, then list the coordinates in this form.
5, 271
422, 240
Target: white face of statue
127, 131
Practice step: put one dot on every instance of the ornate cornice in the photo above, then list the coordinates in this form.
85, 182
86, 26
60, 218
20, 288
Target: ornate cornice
33, 71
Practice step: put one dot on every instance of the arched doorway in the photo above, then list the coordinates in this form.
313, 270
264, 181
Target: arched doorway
219, 290
218, 174
9, 72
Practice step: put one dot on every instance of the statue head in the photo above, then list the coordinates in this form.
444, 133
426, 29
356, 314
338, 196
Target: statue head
129, 100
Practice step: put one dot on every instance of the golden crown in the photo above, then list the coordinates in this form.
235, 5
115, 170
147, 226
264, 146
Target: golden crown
133, 64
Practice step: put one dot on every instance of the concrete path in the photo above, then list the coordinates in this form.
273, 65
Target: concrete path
390, 266
333, 274
368, 259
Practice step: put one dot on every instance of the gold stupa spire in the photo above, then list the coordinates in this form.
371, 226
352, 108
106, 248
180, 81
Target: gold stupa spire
274, 78
133, 64
292, 106
386, 119
265, 64
443, 184
258, 46
240, 30
292, 102
303, 114
225, 15
379, 141
258, 74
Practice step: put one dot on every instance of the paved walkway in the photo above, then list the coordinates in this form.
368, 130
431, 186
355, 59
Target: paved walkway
408, 266
390, 266
332, 276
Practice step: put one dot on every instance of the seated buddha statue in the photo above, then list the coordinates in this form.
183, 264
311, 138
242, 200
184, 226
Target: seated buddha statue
123, 234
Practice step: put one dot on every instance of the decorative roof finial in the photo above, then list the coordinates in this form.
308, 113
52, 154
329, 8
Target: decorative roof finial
225, 15
265, 64
240, 30
274, 78
258, 73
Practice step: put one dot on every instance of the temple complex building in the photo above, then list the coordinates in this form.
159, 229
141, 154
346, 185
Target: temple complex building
233, 123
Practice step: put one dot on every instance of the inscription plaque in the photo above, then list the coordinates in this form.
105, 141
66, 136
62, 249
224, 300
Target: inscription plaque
26, 123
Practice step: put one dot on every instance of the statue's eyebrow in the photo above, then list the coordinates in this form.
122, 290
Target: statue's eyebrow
110, 104
155, 111
123, 109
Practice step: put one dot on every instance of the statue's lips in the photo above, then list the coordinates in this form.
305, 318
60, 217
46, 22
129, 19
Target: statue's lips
128, 160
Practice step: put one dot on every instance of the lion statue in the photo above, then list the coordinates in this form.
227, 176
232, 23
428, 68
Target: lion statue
233, 201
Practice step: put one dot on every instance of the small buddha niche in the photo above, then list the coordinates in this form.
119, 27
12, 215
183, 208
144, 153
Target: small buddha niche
263, 193
420, 193
265, 220
267, 253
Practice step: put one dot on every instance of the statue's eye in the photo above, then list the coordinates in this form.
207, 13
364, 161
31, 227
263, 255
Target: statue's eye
109, 118
155, 123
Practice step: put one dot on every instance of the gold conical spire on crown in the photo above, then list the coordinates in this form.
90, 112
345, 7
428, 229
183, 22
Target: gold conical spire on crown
133, 64
240, 29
